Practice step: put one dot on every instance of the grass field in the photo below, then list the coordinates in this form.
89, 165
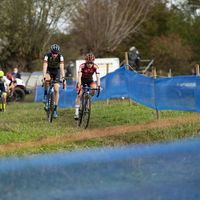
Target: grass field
27, 122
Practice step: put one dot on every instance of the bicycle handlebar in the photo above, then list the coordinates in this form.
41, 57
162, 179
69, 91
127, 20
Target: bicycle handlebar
88, 88
52, 81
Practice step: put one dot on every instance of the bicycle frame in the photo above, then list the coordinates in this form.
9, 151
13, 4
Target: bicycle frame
49, 106
50, 101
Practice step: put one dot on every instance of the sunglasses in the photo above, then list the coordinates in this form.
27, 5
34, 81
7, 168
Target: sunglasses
54, 53
89, 62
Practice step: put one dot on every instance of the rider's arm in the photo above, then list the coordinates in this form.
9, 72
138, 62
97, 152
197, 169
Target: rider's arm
44, 69
98, 79
8, 88
62, 69
79, 78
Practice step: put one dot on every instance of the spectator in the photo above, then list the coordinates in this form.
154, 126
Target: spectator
134, 57
15, 73
192, 72
68, 73
69, 65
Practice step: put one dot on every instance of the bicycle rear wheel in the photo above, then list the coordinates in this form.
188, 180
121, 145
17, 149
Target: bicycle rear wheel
80, 113
87, 110
51, 107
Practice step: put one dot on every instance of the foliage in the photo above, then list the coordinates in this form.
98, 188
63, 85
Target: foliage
186, 24
158, 17
169, 53
26, 26
194, 6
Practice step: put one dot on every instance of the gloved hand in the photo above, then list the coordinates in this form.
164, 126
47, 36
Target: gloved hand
63, 80
64, 83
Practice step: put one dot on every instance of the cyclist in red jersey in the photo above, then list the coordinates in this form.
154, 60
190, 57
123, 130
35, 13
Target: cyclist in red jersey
12, 82
85, 73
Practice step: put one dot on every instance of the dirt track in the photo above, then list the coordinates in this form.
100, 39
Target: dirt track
104, 132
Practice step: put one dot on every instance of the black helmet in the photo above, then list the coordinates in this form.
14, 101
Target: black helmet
55, 48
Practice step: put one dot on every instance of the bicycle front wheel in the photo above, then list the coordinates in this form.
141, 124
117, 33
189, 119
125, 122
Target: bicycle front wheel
51, 107
87, 110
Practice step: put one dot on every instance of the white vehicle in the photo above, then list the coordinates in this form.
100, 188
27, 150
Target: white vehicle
20, 91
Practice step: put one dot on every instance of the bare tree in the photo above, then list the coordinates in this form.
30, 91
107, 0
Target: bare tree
103, 24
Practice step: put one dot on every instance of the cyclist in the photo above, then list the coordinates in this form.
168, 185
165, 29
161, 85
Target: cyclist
52, 66
4, 81
85, 73
12, 84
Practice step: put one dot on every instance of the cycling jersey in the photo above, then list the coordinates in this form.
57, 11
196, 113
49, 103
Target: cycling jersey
2, 84
88, 73
4, 81
53, 64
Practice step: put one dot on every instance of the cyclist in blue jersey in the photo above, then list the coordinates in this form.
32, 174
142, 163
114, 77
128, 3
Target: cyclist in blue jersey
52, 67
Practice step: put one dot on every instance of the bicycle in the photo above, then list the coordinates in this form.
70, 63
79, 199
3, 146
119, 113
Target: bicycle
2, 102
85, 107
49, 106
11, 99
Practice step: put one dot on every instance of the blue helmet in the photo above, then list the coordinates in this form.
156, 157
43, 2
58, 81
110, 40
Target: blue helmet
55, 48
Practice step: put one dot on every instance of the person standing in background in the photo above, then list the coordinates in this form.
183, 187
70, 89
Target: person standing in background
193, 72
16, 73
134, 57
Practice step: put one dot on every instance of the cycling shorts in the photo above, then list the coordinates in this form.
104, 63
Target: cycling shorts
54, 74
86, 81
3, 89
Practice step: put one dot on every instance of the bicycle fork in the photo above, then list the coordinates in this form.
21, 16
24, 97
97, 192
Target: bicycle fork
48, 104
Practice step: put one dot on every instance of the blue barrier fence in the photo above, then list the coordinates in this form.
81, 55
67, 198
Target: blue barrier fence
160, 171
173, 93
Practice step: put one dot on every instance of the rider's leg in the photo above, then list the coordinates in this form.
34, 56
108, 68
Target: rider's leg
93, 85
12, 89
77, 105
46, 85
4, 97
78, 102
56, 89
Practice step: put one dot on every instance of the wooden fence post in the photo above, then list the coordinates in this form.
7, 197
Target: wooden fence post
107, 71
127, 67
197, 69
154, 75
170, 73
